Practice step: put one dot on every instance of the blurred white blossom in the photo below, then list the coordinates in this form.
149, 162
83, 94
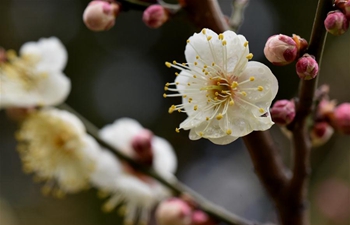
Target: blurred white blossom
138, 192
53, 144
224, 95
34, 77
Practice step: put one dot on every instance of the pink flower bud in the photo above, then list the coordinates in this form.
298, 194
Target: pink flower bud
283, 112
342, 118
281, 50
336, 23
100, 15
325, 108
155, 16
173, 211
344, 6
142, 145
321, 133
201, 218
307, 67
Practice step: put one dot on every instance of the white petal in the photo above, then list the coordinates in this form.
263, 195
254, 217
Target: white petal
165, 161
263, 77
107, 172
50, 52
223, 140
120, 133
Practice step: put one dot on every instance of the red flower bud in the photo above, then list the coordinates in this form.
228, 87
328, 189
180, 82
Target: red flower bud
283, 112
281, 49
336, 23
307, 67
342, 118
155, 16
100, 15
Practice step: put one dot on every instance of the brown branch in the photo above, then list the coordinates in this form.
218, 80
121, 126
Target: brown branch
295, 211
206, 14
267, 162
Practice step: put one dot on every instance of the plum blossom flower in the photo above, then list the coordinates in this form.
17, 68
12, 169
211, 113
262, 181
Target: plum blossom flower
138, 192
53, 144
224, 95
34, 77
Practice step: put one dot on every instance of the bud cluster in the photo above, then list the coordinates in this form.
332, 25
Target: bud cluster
177, 211
337, 21
100, 15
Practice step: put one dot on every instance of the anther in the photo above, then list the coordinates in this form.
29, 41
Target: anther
224, 42
194, 76
195, 63
231, 102
260, 88
251, 78
188, 84
209, 38
219, 116
177, 130
164, 95
201, 134
229, 131
213, 64
171, 109
205, 66
234, 84
204, 31
246, 44
168, 64
197, 57
216, 93
261, 110
167, 84
195, 108
176, 74
244, 93
174, 62
166, 88
249, 56
207, 118
221, 36
188, 41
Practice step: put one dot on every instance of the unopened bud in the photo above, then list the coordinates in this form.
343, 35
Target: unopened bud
142, 146
321, 132
344, 6
155, 16
307, 67
281, 50
100, 15
325, 108
342, 118
173, 211
201, 218
336, 23
283, 112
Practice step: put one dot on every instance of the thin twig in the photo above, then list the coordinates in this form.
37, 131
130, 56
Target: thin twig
237, 15
173, 184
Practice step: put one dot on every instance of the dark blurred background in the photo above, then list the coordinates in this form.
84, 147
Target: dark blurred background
121, 73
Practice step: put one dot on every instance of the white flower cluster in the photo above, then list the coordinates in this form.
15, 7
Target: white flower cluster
35, 77
55, 147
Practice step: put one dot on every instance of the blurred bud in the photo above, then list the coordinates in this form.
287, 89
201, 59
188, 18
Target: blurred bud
321, 132
307, 67
3, 57
336, 23
201, 218
283, 112
142, 145
173, 211
281, 50
325, 108
155, 16
344, 6
342, 118
100, 15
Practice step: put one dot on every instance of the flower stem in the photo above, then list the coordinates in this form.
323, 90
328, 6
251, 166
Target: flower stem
173, 184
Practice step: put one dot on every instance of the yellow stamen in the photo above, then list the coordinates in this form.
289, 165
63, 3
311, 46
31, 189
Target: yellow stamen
177, 130
168, 64
261, 110
209, 38
249, 56
195, 107
204, 31
234, 84
246, 44
229, 131
224, 42
252, 78
164, 95
221, 36
219, 116
231, 102
260, 88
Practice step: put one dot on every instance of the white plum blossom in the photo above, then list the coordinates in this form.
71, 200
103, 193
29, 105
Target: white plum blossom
53, 144
129, 189
224, 95
35, 77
